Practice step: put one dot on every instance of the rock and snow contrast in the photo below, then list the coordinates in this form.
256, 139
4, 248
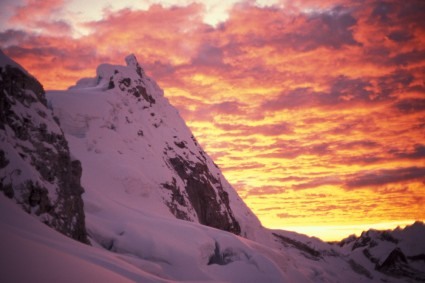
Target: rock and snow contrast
36, 167
156, 207
398, 253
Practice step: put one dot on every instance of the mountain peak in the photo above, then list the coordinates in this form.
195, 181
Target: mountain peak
142, 168
132, 62
130, 79
126, 119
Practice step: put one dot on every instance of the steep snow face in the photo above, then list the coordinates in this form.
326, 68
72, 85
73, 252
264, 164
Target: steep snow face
138, 154
35, 165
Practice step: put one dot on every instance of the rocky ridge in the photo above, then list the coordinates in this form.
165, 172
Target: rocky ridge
398, 253
194, 188
153, 159
36, 168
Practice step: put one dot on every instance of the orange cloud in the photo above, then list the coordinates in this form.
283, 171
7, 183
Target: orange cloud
33, 9
314, 108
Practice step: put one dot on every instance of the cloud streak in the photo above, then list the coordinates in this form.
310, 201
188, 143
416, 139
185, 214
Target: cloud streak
303, 105
384, 177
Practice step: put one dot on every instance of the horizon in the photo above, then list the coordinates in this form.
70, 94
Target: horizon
333, 233
313, 111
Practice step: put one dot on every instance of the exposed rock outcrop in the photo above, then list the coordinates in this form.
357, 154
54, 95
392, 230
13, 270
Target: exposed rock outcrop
206, 195
130, 114
36, 166
396, 253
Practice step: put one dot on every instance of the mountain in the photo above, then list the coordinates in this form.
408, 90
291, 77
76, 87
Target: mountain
135, 148
398, 253
37, 170
157, 208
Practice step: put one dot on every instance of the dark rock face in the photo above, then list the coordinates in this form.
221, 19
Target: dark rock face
366, 239
177, 198
394, 259
224, 257
36, 167
305, 249
397, 265
134, 86
206, 195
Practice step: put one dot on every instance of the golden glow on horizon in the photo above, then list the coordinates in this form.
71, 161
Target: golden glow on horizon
317, 119
338, 232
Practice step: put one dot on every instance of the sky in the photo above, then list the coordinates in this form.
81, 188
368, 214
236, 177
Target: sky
314, 110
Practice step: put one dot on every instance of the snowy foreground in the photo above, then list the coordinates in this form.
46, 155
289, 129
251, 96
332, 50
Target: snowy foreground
163, 251
153, 197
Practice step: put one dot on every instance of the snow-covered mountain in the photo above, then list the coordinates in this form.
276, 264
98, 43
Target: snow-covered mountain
398, 253
136, 149
157, 208
36, 168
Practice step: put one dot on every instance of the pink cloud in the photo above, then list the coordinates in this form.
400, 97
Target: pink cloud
281, 90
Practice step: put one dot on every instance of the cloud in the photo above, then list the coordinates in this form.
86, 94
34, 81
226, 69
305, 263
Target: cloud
246, 166
208, 55
289, 215
200, 110
382, 10
33, 9
406, 58
332, 28
383, 177
411, 12
317, 182
264, 191
396, 81
228, 107
266, 130
69, 62
270, 208
296, 98
418, 152
410, 105
12, 37
55, 27
41, 16
343, 92
292, 149
400, 36
359, 144
316, 95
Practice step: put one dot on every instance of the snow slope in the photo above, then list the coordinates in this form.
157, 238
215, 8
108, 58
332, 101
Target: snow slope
138, 153
157, 207
207, 255
32, 252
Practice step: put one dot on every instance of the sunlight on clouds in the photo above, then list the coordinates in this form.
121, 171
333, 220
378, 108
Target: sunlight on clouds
314, 117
